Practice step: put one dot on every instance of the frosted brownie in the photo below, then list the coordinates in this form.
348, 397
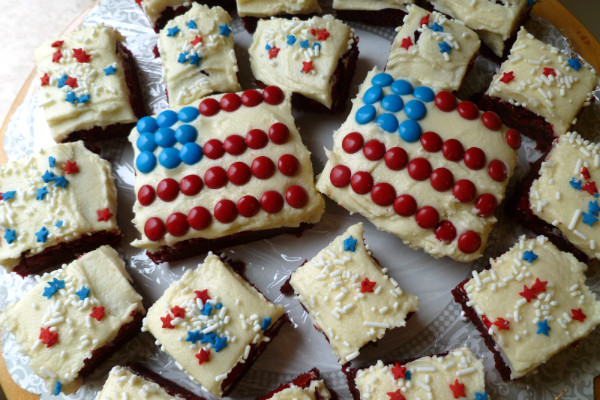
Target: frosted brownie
378, 12
530, 304
421, 165
252, 10
75, 317
230, 170
214, 324
315, 58
540, 90
307, 386
349, 297
197, 55
433, 49
88, 85
54, 205
159, 12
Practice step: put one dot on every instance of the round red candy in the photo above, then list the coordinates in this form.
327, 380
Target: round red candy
513, 138
146, 195
248, 206
209, 107
288, 165
352, 142
177, 224
251, 98
154, 229
445, 232
445, 101
340, 176
239, 173
279, 133
383, 194
441, 179
273, 95
361, 182
374, 150
396, 158
215, 177
474, 158
199, 218
271, 202
469, 242
486, 205
225, 211
452, 150
467, 110
419, 169
464, 190
234, 145
296, 196
263, 167
167, 189
491, 120
213, 149
498, 170
256, 139
230, 102
431, 141
427, 217
191, 185
405, 205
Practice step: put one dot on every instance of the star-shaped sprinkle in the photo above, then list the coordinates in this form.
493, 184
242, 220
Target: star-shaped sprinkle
307, 66
51, 162
397, 395
502, 324
507, 77
166, 322
195, 59
202, 295
425, 20
57, 43
220, 344
210, 337
57, 388
367, 286
529, 256
316, 44
71, 82
81, 56
183, 57
61, 181
59, 224
48, 338
203, 356
193, 336
436, 27
219, 306
481, 396
98, 313
273, 52
42, 235
49, 291
350, 244
71, 98
192, 24
171, 32
196, 40
291, 39
399, 371
585, 173
445, 47
9, 195
224, 30
10, 235
207, 309
575, 183
539, 286
458, 389
543, 328
48, 176
304, 44
110, 70
589, 219
83, 293
178, 312
528, 293
84, 98
56, 56
322, 34
590, 187
62, 81
486, 321
406, 43
574, 63
104, 215
41, 193
266, 323
45, 79
578, 315
71, 167
53, 286
549, 71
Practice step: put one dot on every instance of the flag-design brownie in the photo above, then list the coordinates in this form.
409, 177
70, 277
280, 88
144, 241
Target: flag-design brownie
540, 90
531, 303
349, 297
197, 55
307, 386
54, 205
88, 85
76, 317
228, 171
421, 165
214, 324
453, 375
315, 58
433, 49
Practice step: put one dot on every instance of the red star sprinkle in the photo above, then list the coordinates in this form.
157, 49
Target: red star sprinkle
56, 56
167, 322
72, 82
97, 312
47, 337
578, 315
425, 20
273, 51
58, 43
397, 395
399, 371
139, 2
307, 66
590, 187
1, 197
322, 34
202, 295
71, 167
507, 77
178, 312
528, 293
549, 71
486, 321
45, 80
539, 286
458, 389
81, 56
502, 324
196, 40
203, 356
406, 43
104, 215
585, 173
366, 285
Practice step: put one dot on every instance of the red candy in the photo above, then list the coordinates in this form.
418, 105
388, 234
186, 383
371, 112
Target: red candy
209, 107
296, 196
146, 195
464, 190
167, 189
374, 150
474, 158
213, 149
469, 242
352, 142
467, 110
251, 98
486, 205
191, 185
452, 150
361, 182
383, 194
239, 173
445, 232
431, 141
279, 133
491, 120
225, 211
340, 176
271, 202
230, 102
263, 167
273, 95
177, 224
498, 170
234, 145
199, 218
427, 217
445, 101
256, 139
513, 138
248, 206
154, 229
405, 205
396, 158
288, 165
441, 179
215, 177
419, 169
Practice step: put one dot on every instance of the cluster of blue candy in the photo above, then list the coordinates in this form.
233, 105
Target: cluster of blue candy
158, 132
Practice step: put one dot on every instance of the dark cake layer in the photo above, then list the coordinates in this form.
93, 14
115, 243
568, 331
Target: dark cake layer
387, 17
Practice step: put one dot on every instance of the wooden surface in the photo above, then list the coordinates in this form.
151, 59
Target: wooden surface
580, 38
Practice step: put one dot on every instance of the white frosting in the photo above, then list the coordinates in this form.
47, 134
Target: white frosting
103, 273
107, 95
371, 5
494, 21
267, 8
423, 59
66, 213
216, 70
316, 387
333, 287
544, 82
239, 319
124, 384
495, 293
430, 378
289, 67
553, 198
154, 8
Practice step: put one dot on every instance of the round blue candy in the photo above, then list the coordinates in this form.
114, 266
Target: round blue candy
387, 122
145, 162
188, 114
382, 79
373, 95
166, 118
424, 93
186, 133
147, 124
410, 131
145, 142
415, 109
169, 158
392, 103
190, 153
365, 114
165, 137
402, 87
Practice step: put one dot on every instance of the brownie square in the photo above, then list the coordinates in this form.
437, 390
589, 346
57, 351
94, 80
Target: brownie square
197, 55
305, 386
421, 165
54, 205
159, 12
214, 324
530, 304
76, 317
433, 49
88, 85
349, 297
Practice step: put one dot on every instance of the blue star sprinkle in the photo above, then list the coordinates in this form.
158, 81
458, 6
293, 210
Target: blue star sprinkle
267, 47
61, 181
266, 323
10, 235
192, 24
593, 207
291, 39
172, 31
574, 63
316, 44
53, 287
48, 176
350, 244
193, 336
481, 396
62, 81
207, 309
224, 30
57, 388
83, 293
51, 161
530, 256
71, 98
42, 235
8, 195
219, 305
220, 343
575, 183
543, 328
210, 337
408, 375
589, 219
59, 224
436, 27
183, 57
444, 47
195, 60
304, 44
49, 291
110, 70
41, 193
84, 98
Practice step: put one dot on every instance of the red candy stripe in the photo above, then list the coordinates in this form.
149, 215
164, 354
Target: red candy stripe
213, 149
486, 205
271, 202
396, 158
263, 167
374, 150
405, 205
469, 242
445, 232
464, 190
352, 142
199, 218
491, 120
191, 185
431, 141
513, 138
383, 194
273, 95
419, 169
445, 101
146, 195
225, 211
361, 182
256, 139
209, 107
215, 177
296, 196
154, 229
452, 150
498, 170
239, 173
427, 217
340, 176
468, 110
248, 206
279, 133
441, 179
167, 189
234, 145
474, 158
251, 98
288, 165
177, 224
230, 102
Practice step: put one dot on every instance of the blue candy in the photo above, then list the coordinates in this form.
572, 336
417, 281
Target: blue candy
186, 133
415, 109
188, 114
169, 158
165, 137
166, 118
147, 124
146, 142
410, 131
392, 103
145, 162
424, 93
373, 95
365, 114
191, 153
387, 122
382, 79
402, 87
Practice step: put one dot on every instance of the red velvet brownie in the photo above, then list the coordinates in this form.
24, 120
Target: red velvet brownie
76, 317
55, 205
229, 171
214, 324
305, 386
159, 12
421, 165
530, 304
88, 85
251, 10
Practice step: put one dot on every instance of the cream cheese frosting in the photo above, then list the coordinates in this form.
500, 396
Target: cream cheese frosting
429, 176
267, 8
547, 82
70, 313
154, 8
300, 56
371, 5
458, 374
349, 297
197, 55
272, 173
316, 388
83, 81
209, 320
55, 196
432, 49
124, 384
534, 301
